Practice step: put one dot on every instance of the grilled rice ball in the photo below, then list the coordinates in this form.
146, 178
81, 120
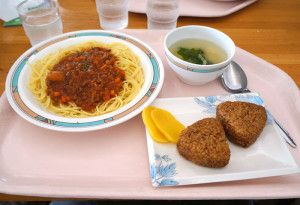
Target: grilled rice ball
205, 143
243, 122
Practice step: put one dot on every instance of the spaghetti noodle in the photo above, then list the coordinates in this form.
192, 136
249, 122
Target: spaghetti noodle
126, 61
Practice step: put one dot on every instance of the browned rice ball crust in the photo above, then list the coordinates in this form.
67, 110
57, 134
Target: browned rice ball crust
205, 143
243, 122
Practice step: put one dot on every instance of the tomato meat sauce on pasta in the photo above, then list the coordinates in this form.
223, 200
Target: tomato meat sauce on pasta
86, 78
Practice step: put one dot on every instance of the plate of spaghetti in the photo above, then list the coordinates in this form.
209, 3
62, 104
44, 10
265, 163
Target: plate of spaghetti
84, 80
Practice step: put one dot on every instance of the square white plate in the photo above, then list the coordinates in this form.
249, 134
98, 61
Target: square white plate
268, 156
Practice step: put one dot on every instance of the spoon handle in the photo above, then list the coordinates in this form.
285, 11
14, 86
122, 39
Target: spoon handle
286, 135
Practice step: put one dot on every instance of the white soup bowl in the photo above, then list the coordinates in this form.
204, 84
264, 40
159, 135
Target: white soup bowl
195, 74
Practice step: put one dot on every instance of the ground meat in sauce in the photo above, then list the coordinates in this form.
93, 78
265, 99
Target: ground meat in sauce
86, 78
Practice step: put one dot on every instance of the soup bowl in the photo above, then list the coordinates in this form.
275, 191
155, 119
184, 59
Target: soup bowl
196, 74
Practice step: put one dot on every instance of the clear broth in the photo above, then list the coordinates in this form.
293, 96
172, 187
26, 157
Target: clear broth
212, 52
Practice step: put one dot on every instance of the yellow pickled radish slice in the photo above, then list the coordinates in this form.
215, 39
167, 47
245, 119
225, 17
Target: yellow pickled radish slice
167, 124
155, 134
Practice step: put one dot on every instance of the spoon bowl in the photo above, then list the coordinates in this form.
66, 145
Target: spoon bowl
234, 79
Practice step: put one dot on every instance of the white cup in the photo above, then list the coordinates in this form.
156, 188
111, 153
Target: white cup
162, 14
113, 14
40, 19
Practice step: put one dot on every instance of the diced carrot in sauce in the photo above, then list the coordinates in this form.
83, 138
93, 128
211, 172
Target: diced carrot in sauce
55, 76
64, 99
120, 84
103, 67
56, 94
106, 95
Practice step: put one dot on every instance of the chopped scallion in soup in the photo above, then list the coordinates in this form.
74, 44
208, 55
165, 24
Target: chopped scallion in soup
198, 51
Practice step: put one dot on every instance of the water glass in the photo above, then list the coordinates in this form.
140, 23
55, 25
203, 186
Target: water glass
113, 14
162, 14
40, 19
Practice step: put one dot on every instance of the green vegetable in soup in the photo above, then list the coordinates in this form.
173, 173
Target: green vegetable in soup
198, 51
193, 55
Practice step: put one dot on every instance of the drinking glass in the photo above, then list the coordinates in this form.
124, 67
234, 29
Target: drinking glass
40, 19
162, 14
113, 14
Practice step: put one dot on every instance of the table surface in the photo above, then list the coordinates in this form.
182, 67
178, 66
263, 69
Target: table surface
267, 29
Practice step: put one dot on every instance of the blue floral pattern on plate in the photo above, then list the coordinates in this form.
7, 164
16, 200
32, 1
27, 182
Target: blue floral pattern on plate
163, 171
210, 103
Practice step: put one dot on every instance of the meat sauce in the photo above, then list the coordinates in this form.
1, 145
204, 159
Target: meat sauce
86, 78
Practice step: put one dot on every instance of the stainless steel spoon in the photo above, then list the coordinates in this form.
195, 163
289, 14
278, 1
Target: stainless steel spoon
235, 81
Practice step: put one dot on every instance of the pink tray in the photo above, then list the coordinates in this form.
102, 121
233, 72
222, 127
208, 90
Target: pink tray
113, 163
199, 8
